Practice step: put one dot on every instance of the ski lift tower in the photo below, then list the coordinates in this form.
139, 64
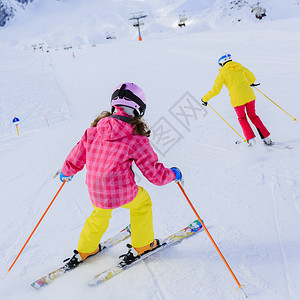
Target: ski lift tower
136, 17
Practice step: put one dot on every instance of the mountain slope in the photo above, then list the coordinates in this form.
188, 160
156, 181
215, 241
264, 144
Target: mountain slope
9, 8
87, 23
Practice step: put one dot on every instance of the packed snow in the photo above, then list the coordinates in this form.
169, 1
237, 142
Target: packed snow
249, 198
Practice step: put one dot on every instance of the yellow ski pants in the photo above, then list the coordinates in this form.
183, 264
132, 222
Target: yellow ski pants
141, 221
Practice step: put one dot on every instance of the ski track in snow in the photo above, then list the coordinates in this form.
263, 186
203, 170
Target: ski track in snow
275, 186
280, 204
158, 292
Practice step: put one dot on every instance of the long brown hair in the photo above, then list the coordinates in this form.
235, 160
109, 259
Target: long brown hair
139, 126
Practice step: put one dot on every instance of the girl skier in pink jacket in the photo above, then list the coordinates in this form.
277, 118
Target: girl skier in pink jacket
107, 149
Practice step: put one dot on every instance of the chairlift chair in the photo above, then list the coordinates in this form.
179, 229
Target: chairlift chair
182, 21
260, 12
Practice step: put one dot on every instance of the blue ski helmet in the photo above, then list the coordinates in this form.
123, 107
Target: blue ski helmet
224, 59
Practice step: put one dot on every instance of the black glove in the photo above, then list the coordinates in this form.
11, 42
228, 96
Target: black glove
254, 84
203, 103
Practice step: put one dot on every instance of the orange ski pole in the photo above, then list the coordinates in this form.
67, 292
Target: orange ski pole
212, 240
35, 229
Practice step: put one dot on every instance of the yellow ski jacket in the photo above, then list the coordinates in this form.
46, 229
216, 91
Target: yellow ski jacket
238, 80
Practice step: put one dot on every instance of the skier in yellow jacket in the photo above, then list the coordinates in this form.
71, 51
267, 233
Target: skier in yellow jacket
239, 80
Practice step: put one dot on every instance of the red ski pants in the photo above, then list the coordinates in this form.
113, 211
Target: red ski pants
250, 109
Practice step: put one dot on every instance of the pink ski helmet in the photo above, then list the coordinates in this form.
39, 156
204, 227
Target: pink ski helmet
131, 95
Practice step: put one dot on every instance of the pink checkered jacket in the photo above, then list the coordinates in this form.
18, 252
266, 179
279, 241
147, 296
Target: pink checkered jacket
108, 151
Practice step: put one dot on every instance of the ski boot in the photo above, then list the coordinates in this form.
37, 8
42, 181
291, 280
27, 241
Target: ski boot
251, 142
77, 258
268, 141
135, 253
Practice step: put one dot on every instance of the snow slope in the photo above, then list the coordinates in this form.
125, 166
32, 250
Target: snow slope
77, 22
248, 198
